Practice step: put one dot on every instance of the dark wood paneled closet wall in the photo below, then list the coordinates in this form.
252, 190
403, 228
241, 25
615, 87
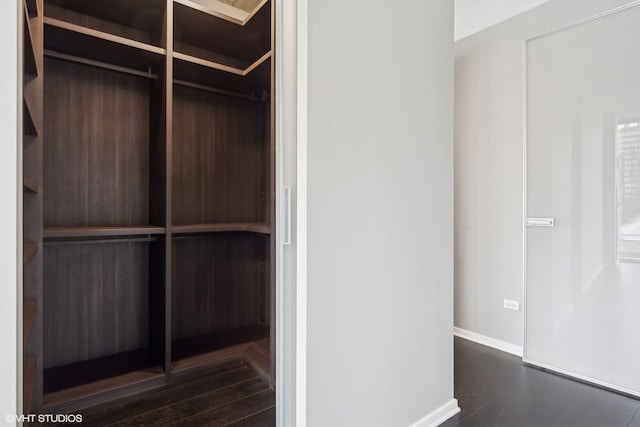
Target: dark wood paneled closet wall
149, 196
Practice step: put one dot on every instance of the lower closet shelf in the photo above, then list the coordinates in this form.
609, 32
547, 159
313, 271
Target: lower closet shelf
68, 382
218, 341
91, 371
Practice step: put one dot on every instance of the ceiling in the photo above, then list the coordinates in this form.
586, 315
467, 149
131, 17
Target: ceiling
472, 16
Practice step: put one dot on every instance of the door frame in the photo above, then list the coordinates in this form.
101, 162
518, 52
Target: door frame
291, 298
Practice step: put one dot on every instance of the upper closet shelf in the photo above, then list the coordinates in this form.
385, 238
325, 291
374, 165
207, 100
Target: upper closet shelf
140, 20
71, 39
238, 12
238, 46
252, 82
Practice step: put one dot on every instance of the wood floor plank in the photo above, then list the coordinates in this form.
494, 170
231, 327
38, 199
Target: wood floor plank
266, 418
232, 412
196, 405
98, 411
497, 389
608, 409
125, 408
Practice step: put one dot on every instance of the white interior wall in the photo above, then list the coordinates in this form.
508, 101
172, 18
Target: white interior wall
488, 165
380, 215
10, 257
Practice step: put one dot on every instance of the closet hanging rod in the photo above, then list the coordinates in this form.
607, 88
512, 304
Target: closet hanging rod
214, 90
99, 64
92, 241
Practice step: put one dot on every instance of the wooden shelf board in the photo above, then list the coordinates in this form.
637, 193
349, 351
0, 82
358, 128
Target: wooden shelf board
31, 127
145, 16
245, 42
211, 359
76, 40
259, 228
208, 64
104, 36
218, 9
62, 232
257, 355
30, 376
30, 62
30, 312
221, 342
30, 186
223, 67
105, 384
191, 70
139, 363
29, 251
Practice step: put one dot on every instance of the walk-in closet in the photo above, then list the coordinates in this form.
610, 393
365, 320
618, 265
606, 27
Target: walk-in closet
148, 195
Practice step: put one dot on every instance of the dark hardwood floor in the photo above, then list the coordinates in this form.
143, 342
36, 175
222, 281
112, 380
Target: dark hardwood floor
228, 395
496, 389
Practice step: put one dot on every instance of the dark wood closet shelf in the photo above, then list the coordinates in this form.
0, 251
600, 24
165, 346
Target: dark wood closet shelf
203, 74
140, 362
144, 17
246, 41
30, 63
30, 375
76, 40
30, 312
30, 127
199, 345
259, 228
103, 375
29, 251
30, 186
62, 232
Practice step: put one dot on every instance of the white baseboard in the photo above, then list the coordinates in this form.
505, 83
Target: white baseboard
488, 341
439, 416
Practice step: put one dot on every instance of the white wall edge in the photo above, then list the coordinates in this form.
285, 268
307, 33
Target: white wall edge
302, 46
488, 341
439, 416
19, 215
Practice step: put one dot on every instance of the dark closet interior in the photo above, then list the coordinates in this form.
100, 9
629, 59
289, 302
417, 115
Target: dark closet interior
149, 195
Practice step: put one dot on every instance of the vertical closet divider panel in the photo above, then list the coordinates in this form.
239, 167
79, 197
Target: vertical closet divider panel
32, 203
270, 303
168, 129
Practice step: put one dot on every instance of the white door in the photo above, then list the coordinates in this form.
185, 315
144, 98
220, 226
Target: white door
582, 225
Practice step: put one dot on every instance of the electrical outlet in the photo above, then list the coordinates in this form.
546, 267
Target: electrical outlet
511, 305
